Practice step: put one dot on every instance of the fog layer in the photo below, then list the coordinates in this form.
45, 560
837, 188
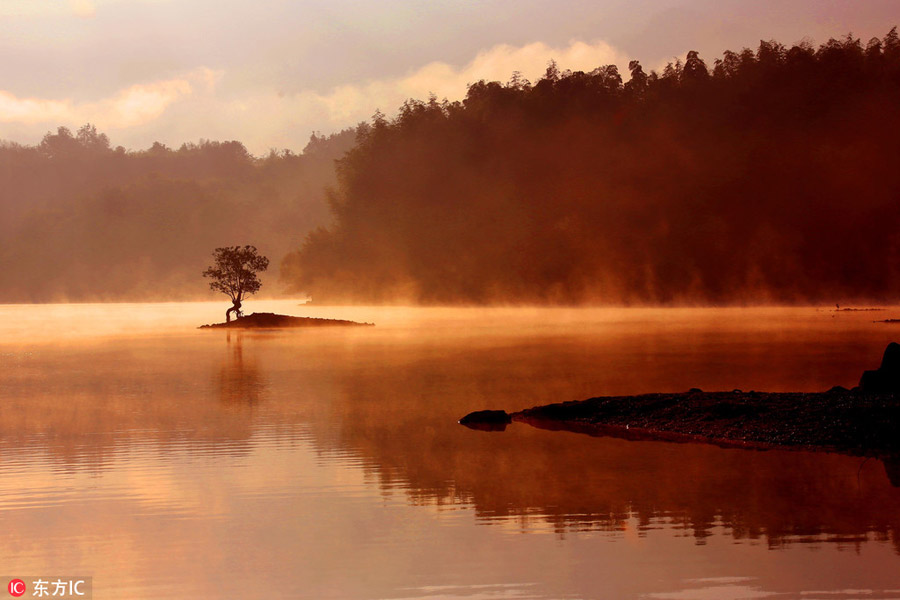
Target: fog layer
81, 220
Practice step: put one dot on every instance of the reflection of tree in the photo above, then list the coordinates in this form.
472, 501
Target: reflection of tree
137, 393
239, 380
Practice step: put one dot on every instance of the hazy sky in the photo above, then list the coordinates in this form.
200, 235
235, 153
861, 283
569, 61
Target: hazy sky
268, 72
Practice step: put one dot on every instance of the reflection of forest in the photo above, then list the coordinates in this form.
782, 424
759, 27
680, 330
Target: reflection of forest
578, 482
84, 404
387, 401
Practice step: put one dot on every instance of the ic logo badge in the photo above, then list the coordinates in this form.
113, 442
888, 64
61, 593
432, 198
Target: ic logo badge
16, 587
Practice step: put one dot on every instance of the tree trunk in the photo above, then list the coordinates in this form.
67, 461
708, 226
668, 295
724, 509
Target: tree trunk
235, 308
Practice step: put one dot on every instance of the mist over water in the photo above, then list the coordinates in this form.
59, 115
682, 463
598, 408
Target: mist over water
165, 460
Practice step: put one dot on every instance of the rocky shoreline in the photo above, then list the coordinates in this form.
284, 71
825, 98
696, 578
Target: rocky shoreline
863, 421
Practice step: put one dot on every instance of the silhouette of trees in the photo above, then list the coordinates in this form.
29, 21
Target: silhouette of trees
769, 178
82, 219
235, 274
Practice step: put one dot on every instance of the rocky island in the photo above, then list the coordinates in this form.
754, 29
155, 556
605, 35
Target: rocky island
274, 321
861, 421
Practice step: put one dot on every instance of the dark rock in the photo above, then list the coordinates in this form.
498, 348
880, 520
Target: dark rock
273, 321
891, 359
729, 410
487, 416
892, 468
839, 420
885, 379
487, 420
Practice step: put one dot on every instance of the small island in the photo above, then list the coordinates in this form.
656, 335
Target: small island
863, 421
235, 274
274, 321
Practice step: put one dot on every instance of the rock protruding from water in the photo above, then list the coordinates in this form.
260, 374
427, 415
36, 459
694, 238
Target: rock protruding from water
863, 421
274, 321
885, 379
487, 420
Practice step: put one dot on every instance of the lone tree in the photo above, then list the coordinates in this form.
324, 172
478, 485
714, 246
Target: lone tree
234, 274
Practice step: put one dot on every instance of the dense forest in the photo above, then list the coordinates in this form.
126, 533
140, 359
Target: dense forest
767, 176
81, 220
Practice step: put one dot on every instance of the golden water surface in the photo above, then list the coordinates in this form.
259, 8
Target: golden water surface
170, 462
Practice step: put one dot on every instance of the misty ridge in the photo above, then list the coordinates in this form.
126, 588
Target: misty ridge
769, 176
83, 221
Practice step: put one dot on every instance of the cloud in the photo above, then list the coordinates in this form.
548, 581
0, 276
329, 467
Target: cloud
193, 106
132, 106
277, 114
445, 81
30, 110
83, 8
140, 103
40, 9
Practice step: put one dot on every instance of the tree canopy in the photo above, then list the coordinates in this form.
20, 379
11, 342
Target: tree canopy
235, 271
766, 176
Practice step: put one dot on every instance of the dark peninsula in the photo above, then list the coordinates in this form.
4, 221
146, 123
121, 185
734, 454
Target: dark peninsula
862, 421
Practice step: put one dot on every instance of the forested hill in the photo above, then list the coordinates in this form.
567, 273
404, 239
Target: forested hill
81, 220
765, 176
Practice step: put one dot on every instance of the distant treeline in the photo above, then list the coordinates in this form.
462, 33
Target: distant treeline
80, 220
770, 175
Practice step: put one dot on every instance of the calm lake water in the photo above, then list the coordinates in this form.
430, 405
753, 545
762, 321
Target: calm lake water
168, 462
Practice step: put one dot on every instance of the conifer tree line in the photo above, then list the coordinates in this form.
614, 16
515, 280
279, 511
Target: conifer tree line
766, 176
